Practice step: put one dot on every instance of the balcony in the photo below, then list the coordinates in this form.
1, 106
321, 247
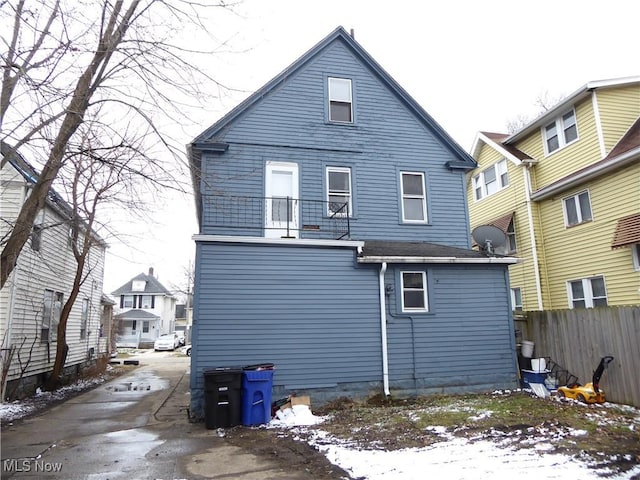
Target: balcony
275, 217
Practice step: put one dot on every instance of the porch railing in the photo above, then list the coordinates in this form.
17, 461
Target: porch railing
284, 217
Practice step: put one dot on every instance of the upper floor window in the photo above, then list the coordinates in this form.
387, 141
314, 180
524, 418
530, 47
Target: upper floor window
516, 299
36, 237
491, 180
561, 132
587, 293
340, 100
577, 209
147, 301
339, 195
127, 301
510, 245
414, 199
414, 291
138, 285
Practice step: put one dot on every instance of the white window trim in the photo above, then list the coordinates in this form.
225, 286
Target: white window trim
635, 253
424, 292
330, 99
588, 291
562, 142
422, 197
514, 305
346, 170
479, 180
574, 198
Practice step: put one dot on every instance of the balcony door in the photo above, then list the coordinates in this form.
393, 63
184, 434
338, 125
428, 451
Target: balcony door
281, 190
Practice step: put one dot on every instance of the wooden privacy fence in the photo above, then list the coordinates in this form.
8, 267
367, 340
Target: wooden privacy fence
577, 339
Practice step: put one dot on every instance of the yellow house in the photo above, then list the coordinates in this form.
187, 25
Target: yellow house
565, 190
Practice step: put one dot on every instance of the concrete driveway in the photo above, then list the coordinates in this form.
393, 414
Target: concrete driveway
135, 427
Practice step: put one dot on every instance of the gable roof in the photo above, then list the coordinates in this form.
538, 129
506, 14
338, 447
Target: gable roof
566, 103
152, 286
206, 140
495, 141
31, 175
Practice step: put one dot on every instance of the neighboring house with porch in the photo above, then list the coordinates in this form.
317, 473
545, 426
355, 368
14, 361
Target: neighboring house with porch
32, 299
334, 241
565, 190
147, 310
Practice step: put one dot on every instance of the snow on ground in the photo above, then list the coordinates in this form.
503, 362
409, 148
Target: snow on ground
455, 458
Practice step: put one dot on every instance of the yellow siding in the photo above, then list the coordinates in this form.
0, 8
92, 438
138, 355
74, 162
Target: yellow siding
510, 199
579, 154
618, 108
585, 250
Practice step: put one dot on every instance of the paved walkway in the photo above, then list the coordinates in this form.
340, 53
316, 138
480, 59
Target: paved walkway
134, 427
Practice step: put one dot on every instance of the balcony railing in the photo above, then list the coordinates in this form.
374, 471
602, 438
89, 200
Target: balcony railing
276, 217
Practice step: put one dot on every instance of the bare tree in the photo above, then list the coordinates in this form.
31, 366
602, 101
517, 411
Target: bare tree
65, 59
543, 103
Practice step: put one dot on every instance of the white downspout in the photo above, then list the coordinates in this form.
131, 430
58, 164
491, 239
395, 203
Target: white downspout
532, 235
383, 331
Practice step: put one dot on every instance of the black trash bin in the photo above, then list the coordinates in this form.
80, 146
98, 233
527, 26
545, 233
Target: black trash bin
222, 397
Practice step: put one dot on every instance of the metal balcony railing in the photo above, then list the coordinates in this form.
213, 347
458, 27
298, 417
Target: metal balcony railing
277, 217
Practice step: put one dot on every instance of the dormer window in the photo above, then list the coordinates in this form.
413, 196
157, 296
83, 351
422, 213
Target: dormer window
138, 285
561, 132
340, 100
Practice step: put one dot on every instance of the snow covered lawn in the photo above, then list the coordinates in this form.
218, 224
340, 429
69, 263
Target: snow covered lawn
501, 435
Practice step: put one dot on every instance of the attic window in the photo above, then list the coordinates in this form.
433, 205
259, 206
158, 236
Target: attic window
340, 100
138, 285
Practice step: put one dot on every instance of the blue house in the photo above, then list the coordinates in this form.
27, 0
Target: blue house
334, 241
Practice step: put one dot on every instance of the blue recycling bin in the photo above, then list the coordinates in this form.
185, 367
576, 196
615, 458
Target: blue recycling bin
256, 395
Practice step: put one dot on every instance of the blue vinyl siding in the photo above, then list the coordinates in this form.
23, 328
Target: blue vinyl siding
289, 125
466, 338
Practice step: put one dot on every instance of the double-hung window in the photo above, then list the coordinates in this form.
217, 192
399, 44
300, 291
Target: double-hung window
516, 299
577, 209
414, 199
635, 253
491, 180
587, 293
51, 310
127, 301
340, 100
84, 318
561, 132
339, 197
414, 292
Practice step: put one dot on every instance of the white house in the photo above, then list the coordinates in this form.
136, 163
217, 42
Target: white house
147, 310
31, 301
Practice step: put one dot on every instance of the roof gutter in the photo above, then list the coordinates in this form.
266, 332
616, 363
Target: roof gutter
587, 174
447, 260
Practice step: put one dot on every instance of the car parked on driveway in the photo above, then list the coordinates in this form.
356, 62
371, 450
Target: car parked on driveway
180, 337
169, 341
186, 350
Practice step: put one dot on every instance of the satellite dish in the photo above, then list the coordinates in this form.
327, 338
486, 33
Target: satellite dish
488, 237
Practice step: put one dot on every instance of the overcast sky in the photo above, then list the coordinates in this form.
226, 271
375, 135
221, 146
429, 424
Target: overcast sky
472, 65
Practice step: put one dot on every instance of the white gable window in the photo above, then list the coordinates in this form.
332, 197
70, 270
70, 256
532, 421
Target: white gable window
339, 191
561, 132
491, 180
587, 293
340, 100
138, 285
414, 200
577, 209
414, 291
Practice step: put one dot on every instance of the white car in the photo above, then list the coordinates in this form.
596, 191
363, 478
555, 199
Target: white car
180, 337
170, 341
186, 350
